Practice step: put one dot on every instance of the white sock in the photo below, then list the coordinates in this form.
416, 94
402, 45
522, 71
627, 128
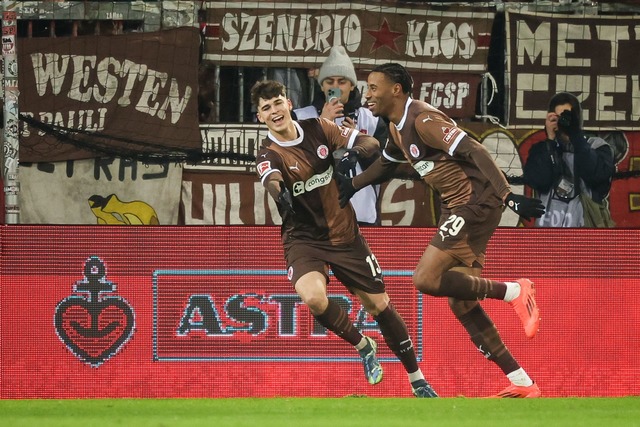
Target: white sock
415, 376
513, 291
520, 377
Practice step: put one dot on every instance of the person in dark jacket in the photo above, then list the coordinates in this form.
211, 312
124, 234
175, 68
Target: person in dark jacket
566, 164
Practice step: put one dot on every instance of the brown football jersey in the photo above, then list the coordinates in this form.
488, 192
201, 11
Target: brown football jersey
307, 165
452, 163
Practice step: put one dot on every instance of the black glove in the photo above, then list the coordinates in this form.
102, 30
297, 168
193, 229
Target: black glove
345, 189
285, 200
526, 207
347, 165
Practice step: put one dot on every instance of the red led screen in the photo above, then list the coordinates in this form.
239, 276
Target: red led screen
90, 312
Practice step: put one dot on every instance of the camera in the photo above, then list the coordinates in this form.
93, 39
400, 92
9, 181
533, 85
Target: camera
564, 121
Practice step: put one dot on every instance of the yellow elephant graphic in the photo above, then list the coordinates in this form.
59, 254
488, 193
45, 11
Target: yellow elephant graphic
111, 210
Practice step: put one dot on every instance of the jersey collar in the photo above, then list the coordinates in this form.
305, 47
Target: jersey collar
296, 141
404, 116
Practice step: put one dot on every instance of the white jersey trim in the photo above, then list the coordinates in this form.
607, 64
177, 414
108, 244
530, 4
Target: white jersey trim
267, 174
296, 141
404, 116
392, 159
456, 141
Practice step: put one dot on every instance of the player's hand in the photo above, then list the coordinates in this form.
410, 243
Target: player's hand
345, 189
347, 165
285, 200
524, 206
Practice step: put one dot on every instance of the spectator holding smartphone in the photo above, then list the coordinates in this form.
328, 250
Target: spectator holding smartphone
340, 101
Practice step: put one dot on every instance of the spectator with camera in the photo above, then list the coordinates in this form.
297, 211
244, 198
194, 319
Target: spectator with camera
570, 172
340, 101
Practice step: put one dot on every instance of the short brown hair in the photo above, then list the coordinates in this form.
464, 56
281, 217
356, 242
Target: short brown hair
266, 89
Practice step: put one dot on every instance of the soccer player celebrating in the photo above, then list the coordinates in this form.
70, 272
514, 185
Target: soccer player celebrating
473, 191
296, 165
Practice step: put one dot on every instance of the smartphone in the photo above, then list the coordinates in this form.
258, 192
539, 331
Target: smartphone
332, 93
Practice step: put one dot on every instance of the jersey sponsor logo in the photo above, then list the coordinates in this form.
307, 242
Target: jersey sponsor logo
323, 152
449, 134
424, 167
290, 273
264, 167
316, 181
414, 150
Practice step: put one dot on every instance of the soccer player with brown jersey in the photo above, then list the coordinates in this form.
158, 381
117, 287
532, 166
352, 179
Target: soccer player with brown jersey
296, 165
474, 192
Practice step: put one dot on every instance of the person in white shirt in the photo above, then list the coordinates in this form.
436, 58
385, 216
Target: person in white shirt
344, 107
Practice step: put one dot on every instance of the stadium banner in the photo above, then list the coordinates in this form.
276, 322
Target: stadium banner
594, 57
455, 94
130, 92
287, 34
171, 312
100, 191
226, 192
218, 198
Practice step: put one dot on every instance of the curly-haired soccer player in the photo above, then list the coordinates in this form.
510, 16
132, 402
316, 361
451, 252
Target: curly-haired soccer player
296, 165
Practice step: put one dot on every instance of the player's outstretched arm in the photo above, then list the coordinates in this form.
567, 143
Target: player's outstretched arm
280, 193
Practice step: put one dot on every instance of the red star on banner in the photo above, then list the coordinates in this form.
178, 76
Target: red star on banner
384, 37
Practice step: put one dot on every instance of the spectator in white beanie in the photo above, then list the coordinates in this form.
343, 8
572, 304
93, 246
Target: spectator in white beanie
338, 64
345, 109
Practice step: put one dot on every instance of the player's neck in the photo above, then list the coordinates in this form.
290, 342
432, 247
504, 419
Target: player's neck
286, 134
398, 110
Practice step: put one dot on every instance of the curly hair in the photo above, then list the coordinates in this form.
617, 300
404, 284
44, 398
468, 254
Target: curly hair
266, 89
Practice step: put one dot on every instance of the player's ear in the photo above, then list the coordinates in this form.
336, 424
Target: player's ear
259, 117
290, 104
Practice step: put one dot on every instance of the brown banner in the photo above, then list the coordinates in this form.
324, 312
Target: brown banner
596, 58
215, 198
135, 91
273, 34
453, 93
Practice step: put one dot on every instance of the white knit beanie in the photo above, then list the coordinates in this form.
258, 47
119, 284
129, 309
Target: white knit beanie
338, 64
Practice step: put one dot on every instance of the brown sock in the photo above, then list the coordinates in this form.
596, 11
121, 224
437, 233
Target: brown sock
337, 321
485, 336
468, 288
396, 335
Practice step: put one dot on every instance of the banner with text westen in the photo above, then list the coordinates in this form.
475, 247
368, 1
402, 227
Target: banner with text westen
134, 91
161, 311
286, 34
594, 57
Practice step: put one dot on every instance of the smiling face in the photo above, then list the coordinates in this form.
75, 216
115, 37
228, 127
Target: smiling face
384, 96
276, 114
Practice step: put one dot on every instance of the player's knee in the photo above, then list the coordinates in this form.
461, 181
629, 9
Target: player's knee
426, 283
317, 303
